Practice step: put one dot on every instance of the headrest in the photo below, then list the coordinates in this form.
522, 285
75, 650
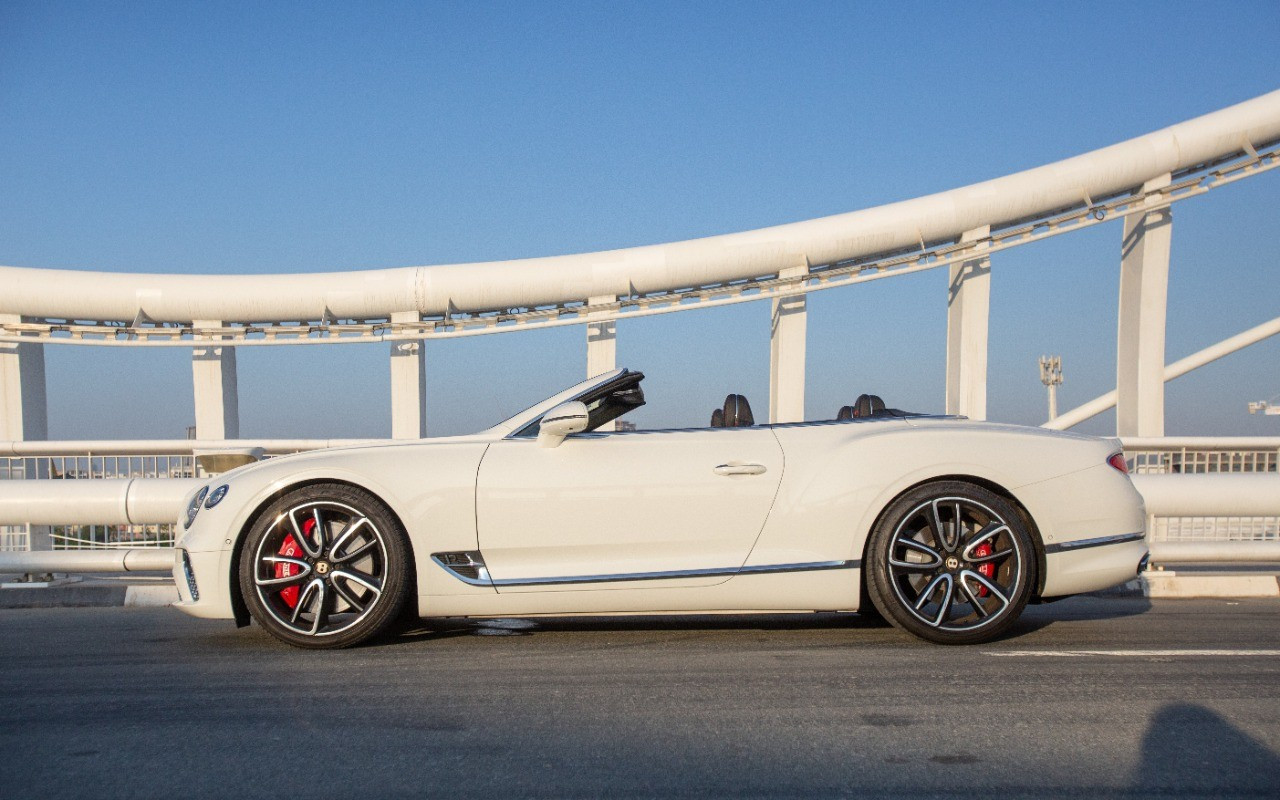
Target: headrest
717, 418
868, 405
737, 412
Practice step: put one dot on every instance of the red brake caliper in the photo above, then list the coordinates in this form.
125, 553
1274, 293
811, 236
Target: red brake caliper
988, 569
291, 549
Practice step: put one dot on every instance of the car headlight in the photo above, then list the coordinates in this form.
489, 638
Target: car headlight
216, 496
193, 507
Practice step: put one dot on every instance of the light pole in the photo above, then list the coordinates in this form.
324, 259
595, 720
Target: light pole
1051, 377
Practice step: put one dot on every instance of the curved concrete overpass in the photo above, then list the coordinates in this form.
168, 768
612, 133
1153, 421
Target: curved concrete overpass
914, 224
1137, 181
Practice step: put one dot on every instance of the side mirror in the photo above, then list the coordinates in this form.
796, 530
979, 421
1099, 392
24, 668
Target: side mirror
561, 421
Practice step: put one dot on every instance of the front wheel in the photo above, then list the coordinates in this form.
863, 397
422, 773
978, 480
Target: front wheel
952, 563
326, 566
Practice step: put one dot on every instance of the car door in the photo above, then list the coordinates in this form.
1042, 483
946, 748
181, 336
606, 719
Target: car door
604, 509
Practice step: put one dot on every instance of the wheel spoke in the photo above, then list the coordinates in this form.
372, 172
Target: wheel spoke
974, 600
303, 598
988, 532
944, 608
361, 550
347, 533
935, 523
350, 598
990, 586
957, 525
321, 531
929, 590
287, 580
320, 616
360, 579
993, 557
302, 538
935, 558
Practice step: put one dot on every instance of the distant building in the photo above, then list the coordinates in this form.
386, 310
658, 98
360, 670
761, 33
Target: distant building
624, 425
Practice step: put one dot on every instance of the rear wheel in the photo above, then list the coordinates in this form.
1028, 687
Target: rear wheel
952, 563
326, 566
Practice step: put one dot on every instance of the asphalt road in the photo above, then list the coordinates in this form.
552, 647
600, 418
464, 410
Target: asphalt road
115, 702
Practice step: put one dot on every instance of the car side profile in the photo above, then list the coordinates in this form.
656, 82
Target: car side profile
945, 526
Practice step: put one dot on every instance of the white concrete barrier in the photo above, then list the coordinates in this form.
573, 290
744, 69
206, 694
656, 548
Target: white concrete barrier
77, 561
109, 501
1219, 552
1223, 494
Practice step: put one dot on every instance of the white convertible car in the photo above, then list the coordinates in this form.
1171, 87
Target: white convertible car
944, 526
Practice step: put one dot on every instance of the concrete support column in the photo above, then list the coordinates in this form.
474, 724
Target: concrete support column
602, 341
968, 313
1144, 293
213, 368
790, 324
408, 384
24, 408
602, 346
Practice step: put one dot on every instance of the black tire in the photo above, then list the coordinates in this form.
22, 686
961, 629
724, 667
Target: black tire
349, 584
945, 585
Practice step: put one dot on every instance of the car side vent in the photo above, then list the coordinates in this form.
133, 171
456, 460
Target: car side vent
467, 566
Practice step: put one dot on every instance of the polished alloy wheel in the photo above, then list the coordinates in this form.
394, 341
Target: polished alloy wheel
320, 568
955, 565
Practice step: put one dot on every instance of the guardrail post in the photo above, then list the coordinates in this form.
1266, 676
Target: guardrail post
1144, 292
788, 332
408, 384
968, 314
217, 401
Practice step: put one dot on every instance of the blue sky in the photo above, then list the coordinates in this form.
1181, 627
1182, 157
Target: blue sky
283, 137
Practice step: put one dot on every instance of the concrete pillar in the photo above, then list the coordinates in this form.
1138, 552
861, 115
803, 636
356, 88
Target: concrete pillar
790, 323
968, 313
602, 341
1144, 293
408, 384
24, 412
213, 368
24, 415
602, 346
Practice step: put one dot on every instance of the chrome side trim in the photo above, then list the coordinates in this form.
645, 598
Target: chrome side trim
1101, 541
677, 574
471, 560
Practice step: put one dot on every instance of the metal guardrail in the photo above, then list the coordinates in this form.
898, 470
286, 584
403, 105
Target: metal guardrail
1209, 499
76, 561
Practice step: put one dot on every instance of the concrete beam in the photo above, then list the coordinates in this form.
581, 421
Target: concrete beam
787, 340
217, 401
602, 341
408, 384
1140, 339
24, 413
968, 314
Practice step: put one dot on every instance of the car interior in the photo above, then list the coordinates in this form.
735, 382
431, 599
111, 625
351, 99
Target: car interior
611, 400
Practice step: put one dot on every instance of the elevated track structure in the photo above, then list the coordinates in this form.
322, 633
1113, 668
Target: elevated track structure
1135, 182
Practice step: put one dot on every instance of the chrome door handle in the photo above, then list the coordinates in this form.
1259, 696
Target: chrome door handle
738, 468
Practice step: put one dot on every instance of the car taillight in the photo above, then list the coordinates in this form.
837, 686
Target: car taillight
1119, 463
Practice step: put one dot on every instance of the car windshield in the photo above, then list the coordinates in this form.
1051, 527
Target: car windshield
605, 401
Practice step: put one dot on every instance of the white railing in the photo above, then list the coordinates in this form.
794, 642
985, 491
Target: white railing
1183, 533
1196, 454
98, 528
1204, 495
